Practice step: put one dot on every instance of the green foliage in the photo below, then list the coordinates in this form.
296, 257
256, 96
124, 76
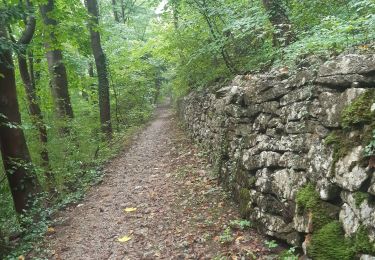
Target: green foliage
289, 254
329, 242
136, 77
271, 244
226, 236
240, 224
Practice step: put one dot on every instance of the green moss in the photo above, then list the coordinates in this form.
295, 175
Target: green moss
342, 144
244, 200
331, 139
359, 197
307, 197
329, 243
354, 116
359, 111
362, 243
308, 202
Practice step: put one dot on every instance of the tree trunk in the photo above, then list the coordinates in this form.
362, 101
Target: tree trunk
202, 8
101, 67
36, 117
29, 83
280, 21
115, 12
59, 79
15, 154
123, 7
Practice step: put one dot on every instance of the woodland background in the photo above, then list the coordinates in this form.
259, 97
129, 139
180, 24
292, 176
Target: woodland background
150, 53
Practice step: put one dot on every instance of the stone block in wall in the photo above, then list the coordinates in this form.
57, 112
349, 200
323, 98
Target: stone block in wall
295, 111
302, 78
298, 95
282, 183
315, 128
299, 127
327, 190
319, 160
356, 210
349, 220
263, 180
371, 189
345, 70
349, 174
348, 64
291, 143
332, 105
346, 81
276, 226
230, 94
275, 122
243, 130
293, 161
264, 159
287, 182
302, 222
253, 139
272, 205
272, 94
263, 89
261, 122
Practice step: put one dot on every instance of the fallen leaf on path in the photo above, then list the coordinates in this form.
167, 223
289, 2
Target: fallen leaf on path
127, 210
124, 239
50, 230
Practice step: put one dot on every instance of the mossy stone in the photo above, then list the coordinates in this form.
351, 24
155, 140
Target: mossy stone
329, 243
359, 111
308, 202
244, 202
362, 243
359, 197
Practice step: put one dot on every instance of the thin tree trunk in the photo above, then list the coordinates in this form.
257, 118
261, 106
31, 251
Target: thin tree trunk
59, 79
123, 11
23, 183
115, 13
29, 83
36, 117
227, 60
279, 19
101, 67
175, 11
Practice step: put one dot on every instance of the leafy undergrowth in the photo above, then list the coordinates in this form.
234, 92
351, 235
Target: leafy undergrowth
39, 220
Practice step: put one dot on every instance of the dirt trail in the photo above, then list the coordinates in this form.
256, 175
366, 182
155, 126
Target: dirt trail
181, 212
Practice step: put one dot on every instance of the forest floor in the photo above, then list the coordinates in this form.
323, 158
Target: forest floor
158, 200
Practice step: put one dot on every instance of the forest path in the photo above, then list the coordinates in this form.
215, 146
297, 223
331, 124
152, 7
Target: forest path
180, 211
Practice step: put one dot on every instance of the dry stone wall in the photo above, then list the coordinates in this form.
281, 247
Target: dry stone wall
291, 147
